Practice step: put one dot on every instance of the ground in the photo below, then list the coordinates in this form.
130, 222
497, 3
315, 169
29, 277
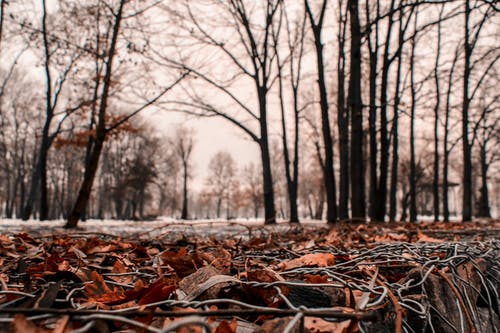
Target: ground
165, 276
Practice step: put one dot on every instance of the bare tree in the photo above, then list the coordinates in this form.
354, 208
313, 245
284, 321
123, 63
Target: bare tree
253, 56
295, 51
373, 51
413, 89
183, 141
222, 171
104, 126
395, 120
53, 89
356, 111
471, 38
437, 106
342, 114
329, 175
252, 187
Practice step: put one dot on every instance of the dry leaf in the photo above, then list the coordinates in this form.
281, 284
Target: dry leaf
21, 325
424, 238
227, 327
309, 260
317, 325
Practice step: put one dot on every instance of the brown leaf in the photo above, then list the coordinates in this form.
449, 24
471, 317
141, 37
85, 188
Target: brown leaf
317, 325
21, 325
182, 262
309, 260
227, 327
98, 287
157, 291
218, 257
421, 237
268, 295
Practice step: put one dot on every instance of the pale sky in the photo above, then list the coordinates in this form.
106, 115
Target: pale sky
212, 135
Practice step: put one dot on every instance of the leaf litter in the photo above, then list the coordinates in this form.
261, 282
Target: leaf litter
289, 278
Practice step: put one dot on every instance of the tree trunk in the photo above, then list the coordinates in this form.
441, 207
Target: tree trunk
356, 112
86, 187
484, 202
395, 128
328, 171
331, 200
435, 181
91, 168
290, 183
372, 116
466, 149
267, 177
412, 180
44, 199
446, 152
395, 122
184, 211
342, 119
384, 162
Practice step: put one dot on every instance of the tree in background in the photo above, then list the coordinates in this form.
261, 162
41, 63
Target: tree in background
221, 178
183, 143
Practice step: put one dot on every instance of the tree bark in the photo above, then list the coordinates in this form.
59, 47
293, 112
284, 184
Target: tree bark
395, 127
342, 118
374, 199
356, 113
413, 180
484, 202
435, 181
466, 149
184, 211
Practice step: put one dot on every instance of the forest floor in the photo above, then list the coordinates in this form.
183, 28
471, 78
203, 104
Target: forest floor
227, 277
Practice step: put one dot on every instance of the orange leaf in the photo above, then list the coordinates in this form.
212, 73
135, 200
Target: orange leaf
317, 325
309, 260
226, 327
98, 287
424, 238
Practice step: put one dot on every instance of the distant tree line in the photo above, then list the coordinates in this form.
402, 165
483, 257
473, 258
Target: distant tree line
361, 110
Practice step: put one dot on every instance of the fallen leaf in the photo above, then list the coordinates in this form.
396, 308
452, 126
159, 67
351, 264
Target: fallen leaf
21, 325
421, 237
309, 260
227, 327
317, 325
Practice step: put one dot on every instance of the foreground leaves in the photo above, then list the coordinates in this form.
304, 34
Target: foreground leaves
339, 279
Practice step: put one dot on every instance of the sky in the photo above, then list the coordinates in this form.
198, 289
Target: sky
212, 135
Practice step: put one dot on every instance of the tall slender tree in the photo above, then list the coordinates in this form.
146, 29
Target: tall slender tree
413, 165
466, 147
373, 52
295, 52
329, 175
342, 113
356, 112
437, 106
